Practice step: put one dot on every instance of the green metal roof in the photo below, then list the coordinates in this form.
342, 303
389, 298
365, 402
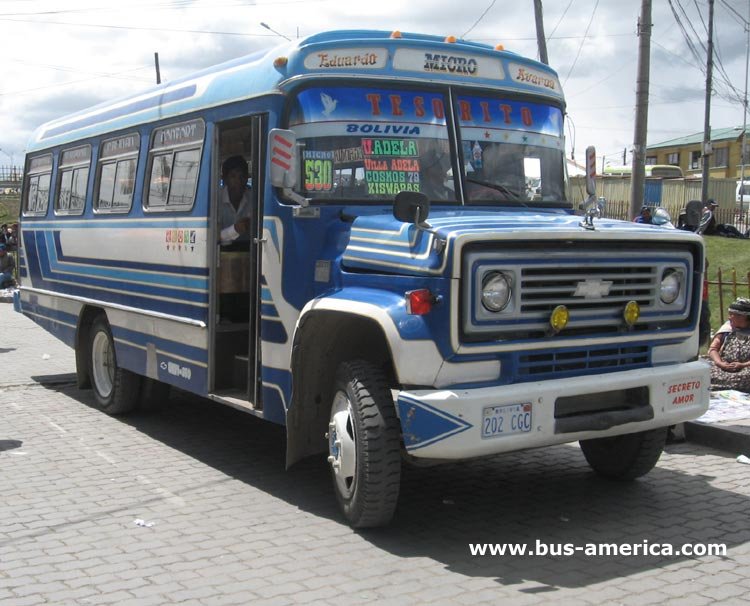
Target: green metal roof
717, 134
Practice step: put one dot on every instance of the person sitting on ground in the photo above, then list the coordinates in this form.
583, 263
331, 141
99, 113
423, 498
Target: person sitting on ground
645, 216
729, 351
7, 267
236, 208
710, 225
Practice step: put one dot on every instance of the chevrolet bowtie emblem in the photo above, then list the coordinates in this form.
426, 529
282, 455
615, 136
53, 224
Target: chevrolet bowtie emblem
593, 289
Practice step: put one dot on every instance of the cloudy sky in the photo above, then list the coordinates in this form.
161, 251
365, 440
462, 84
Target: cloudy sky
60, 56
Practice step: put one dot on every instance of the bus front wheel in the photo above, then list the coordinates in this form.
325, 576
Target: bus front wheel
364, 445
625, 457
115, 389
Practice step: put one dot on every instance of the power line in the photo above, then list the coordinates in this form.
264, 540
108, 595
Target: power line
142, 29
559, 21
480, 18
740, 19
580, 48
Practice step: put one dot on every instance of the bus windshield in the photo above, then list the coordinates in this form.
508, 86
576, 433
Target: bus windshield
366, 144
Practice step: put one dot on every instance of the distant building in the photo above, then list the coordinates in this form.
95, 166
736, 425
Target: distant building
685, 152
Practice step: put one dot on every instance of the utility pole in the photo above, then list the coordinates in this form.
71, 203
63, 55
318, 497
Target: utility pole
706, 155
637, 184
744, 117
156, 64
541, 41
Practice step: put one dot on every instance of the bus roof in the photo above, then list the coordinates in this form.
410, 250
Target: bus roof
335, 54
665, 171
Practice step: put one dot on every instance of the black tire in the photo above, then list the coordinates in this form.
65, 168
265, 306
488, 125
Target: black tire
116, 390
625, 457
364, 445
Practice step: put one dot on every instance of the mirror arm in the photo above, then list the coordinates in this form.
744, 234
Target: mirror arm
438, 243
295, 197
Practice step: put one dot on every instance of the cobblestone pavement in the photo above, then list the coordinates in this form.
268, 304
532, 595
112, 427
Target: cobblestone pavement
222, 521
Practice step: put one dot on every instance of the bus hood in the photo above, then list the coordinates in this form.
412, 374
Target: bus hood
384, 244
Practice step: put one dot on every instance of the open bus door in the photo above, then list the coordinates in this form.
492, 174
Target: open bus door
234, 357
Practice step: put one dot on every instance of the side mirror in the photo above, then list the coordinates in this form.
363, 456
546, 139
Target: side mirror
282, 146
591, 170
411, 207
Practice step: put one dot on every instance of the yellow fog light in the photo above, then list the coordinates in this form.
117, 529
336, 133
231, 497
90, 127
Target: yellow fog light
632, 313
559, 318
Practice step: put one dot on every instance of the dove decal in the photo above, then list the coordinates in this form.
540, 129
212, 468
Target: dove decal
329, 104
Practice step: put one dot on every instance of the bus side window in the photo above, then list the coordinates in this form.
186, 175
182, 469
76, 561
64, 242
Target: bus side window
116, 179
174, 165
73, 177
36, 196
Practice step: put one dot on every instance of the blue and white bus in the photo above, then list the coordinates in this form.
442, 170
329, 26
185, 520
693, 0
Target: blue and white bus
401, 295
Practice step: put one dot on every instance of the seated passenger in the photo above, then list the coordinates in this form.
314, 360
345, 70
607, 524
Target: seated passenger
729, 351
645, 216
236, 208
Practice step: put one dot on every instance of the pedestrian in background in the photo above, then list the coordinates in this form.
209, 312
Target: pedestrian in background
729, 351
7, 267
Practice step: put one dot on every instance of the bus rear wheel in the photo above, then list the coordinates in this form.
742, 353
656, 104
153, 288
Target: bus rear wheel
115, 389
625, 457
364, 445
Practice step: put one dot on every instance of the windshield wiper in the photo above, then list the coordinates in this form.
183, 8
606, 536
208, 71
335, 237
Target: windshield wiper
514, 195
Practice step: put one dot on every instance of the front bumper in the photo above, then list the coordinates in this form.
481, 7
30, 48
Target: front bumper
453, 424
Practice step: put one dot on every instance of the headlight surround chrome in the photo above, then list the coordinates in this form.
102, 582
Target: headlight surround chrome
496, 291
671, 284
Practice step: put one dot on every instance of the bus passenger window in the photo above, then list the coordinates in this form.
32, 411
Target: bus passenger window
117, 164
36, 196
73, 180
158, 187
184, 177
174, 166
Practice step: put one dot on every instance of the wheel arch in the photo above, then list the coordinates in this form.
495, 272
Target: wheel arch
324, 339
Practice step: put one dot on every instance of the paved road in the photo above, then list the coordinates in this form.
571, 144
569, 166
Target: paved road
224, 523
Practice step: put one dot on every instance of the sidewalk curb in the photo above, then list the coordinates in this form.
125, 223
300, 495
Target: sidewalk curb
734, 439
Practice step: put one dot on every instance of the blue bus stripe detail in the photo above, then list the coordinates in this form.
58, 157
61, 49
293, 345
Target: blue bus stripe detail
158, 267
175, 306
192, 353
161, 273
269, 311
273, 331
117, 222
115, 281
142, 104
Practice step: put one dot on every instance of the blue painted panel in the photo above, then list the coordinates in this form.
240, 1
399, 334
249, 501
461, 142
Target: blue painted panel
653, 191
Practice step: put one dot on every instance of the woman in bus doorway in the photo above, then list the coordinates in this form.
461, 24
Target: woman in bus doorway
730, 350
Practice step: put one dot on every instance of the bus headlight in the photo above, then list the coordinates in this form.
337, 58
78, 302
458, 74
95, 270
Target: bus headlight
496, 291
669, 289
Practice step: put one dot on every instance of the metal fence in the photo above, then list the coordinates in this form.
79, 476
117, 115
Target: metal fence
726, 288
11, 173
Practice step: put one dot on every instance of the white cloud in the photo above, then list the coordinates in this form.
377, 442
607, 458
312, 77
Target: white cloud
61, 57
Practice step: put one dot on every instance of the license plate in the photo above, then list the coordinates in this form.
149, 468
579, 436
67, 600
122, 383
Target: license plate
506, 420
